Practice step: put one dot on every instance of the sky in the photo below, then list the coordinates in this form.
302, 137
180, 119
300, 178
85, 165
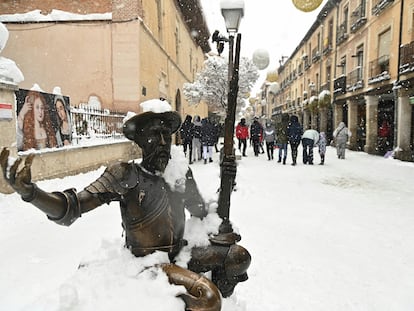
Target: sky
275, 26
333, 237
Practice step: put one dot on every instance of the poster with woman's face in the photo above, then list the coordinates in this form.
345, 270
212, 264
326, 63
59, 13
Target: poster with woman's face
43, 120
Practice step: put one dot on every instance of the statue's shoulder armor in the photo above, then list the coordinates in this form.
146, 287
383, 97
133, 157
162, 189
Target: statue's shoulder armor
117, 179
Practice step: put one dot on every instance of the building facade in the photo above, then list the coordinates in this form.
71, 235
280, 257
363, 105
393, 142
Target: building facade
355, 64
118, 52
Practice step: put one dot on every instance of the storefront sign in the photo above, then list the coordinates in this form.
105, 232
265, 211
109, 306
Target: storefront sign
6, 111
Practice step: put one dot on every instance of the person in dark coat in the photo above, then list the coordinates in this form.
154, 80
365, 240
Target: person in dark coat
256, 133
208, 139
186, 136
294, 132
282, 138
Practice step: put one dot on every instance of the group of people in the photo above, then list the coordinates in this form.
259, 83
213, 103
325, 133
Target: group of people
199, 137
289, 132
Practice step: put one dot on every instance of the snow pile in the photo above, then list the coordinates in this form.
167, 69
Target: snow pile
9, 72
119, 279
332, 237
156, 105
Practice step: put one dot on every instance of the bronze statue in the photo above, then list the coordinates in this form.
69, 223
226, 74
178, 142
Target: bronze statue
152, 214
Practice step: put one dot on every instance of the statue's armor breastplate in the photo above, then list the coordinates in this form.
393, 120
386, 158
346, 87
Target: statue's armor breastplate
152, 215
150, 218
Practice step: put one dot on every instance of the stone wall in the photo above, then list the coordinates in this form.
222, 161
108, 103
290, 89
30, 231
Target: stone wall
72, 161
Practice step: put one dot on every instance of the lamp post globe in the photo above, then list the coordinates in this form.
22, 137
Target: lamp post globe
261, 59
232, 11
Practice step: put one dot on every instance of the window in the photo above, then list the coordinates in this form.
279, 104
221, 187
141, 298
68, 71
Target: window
384, 43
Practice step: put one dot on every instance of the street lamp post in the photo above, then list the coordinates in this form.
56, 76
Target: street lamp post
232, 12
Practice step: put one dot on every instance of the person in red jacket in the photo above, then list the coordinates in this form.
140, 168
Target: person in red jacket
242, 134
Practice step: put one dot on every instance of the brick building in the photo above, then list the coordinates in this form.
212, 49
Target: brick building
355, 64
121, 52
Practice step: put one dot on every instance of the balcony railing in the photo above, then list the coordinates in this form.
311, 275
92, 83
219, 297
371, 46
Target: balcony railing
380, 5
407, 58
358, 18
327, 47
340, 85
355, 79
342, 33
379, 69
316, 55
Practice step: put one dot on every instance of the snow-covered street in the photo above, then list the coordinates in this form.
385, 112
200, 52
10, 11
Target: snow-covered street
334, 237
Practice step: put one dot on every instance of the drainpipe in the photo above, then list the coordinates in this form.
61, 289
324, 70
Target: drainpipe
397, 82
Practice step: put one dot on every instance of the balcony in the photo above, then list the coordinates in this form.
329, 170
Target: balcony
380, 5
341, 33
355, 80
340, 85
327, 47
316, 55
379, 70
407, 58
300, 70
358, 18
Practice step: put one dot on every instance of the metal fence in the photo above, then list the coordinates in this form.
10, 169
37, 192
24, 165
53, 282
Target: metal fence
89, 122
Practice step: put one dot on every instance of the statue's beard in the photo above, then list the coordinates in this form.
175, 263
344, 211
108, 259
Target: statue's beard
157, 160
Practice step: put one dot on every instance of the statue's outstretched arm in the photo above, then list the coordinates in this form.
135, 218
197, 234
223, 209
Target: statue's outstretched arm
62, 207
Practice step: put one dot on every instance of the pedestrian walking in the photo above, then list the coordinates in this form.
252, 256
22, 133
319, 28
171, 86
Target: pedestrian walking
282, 138
322, 147
294, 132
242, 134
208, 139
217, 134
309, 139
186, 136
196, 134
341, 135
256, 132
361, 135
269, 136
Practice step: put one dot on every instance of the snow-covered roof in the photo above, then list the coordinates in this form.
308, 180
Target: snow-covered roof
55, 15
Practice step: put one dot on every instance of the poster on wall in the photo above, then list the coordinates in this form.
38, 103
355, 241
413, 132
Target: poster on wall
43, 120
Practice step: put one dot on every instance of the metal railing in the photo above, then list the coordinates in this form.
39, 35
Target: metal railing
407, 57
355, 79
379, 68
342, 33
358, 18
89, 122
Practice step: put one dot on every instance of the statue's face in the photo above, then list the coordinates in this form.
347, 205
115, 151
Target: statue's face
155, 143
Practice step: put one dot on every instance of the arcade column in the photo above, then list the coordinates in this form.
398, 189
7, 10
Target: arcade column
371, 126
403, 151
352, 122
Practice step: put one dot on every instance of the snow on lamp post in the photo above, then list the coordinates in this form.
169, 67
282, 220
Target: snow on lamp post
232, 11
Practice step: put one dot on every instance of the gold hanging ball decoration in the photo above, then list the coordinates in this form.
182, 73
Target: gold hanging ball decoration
306, 5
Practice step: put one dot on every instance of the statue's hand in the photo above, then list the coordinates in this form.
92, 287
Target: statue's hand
21, 181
